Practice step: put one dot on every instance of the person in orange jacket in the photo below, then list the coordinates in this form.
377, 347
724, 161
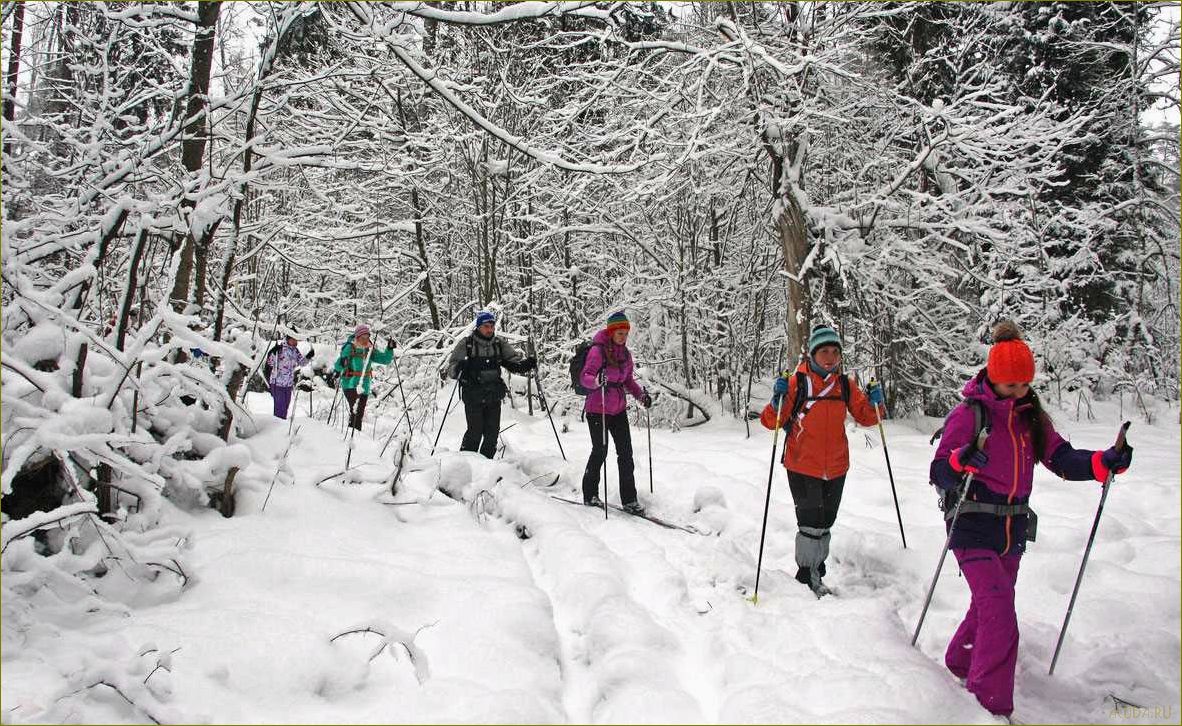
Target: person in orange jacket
817, 455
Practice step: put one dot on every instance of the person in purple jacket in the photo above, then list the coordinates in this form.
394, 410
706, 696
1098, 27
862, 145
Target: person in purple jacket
280, 369
990, 533
608, 371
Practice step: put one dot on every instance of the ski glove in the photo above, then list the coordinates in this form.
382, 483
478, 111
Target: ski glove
779, 389
875, 394
968, 458
1111, 460
528, 364
646, 400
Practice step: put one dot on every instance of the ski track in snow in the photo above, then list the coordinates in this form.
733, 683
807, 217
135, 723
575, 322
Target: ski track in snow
521, 608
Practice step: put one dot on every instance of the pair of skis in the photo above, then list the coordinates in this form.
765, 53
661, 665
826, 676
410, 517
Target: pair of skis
645, 516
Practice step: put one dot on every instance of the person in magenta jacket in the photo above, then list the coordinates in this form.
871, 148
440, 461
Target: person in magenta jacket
990, 533
608, 370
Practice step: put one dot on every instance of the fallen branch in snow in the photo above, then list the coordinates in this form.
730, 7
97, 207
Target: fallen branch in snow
163, 662
176, 570
417, 657
279, 466
366, 629
14, 530
123, 695
344, 471
482, 505
688, 396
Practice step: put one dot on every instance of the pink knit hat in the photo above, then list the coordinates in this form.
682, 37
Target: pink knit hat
361, 330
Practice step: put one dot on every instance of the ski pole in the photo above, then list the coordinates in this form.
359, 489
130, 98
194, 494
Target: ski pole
445, 412
890, 474
405, 414
545, 405
295, 394
603, 420
1120, 444
335, 397
964, 490
390, 438
405, 408
503, 440
648, 423
767, 501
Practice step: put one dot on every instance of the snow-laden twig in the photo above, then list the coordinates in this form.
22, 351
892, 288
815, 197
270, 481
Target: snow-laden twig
25, 526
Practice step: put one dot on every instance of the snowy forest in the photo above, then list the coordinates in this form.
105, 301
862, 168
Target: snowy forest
185, 183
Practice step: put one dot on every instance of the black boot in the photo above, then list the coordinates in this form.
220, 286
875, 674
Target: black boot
819, 589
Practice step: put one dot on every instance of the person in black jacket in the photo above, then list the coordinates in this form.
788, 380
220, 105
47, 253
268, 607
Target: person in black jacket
476, 361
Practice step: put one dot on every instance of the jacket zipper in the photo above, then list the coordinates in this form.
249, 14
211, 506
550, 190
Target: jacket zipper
1014, 485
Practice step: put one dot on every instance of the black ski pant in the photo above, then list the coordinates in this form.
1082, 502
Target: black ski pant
356, 406
816, 502
484, 425
617, 426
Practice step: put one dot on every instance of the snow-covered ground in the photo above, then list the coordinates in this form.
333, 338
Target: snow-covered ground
342, 603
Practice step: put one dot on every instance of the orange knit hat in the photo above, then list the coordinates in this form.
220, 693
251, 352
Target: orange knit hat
1010, 359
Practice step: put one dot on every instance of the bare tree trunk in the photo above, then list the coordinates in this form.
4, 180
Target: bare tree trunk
79, 367
14, 67
682, 323
793, 237
137, 251
227, 506
60, 76
193, 147
231, 391
790, 227
422, 245
80, 299
574, 280
103, 490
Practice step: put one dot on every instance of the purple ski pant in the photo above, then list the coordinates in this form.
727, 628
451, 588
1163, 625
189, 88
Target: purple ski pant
984, 650
281, 396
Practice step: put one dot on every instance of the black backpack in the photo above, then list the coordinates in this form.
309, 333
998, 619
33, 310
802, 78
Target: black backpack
978, 409
578, 361
802, 398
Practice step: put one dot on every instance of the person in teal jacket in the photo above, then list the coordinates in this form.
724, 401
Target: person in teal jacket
355, 366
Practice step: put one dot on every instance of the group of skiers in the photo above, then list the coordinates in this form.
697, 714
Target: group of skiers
353, 366
475, 363
988, 536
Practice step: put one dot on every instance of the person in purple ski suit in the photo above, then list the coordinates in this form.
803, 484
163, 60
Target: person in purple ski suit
995, 519
280, 368
608, 370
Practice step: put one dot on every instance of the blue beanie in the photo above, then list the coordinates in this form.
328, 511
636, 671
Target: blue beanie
485, 316
823, 335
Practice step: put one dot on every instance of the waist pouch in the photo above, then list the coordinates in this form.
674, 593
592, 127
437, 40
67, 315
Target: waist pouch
998, 510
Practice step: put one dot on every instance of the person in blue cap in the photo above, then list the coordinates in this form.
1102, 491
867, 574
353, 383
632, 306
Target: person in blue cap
476, 361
